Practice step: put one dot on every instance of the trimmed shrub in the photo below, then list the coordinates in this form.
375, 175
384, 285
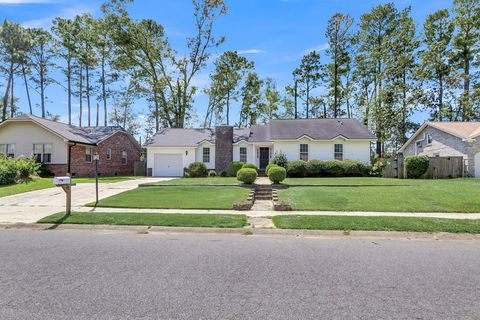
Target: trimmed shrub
8, 172
233, 168
280, 159
333, 168
212, 173
197, 169
223, 174
250, 166
296, 169
355, 168
277, 174
26, 168
270, 165
17, 170
416, 166
247, 175
315, 168
186, 175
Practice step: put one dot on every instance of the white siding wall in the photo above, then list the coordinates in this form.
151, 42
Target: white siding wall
324, 150
25, 134
186, 159
199, 154
251, 157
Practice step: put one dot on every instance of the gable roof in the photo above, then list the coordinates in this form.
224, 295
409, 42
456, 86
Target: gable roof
462, 130
316, 129
82, 135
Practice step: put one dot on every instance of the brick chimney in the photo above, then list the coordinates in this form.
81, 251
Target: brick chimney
223, 148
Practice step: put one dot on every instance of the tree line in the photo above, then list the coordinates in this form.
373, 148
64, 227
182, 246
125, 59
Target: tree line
380, 69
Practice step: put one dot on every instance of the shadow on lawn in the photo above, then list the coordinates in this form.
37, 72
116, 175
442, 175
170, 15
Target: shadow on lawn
59, 222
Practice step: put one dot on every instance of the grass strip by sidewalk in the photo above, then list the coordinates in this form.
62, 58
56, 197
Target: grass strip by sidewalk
377, 223
151, 219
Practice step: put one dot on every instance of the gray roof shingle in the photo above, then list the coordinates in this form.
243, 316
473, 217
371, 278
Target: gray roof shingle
85, 135
292, 129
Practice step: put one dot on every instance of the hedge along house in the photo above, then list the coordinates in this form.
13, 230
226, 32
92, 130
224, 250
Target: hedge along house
68, 149
171, 150
447, 139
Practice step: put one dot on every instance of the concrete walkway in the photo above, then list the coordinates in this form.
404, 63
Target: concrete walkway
31, 206
271, 213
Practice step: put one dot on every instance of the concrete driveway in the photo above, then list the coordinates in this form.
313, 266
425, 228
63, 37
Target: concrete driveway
31, 206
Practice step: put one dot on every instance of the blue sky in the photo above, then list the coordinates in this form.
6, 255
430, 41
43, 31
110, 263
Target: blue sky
272, 33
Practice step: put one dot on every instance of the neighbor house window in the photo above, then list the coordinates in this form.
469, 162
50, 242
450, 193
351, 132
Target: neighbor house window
124, 157
338, 152
243, 154
206, 155
109, 154
429, 139
42, 152
88, 154
8, 150
304, 152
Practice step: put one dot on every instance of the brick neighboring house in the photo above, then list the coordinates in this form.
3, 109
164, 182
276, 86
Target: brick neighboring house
447, 139
69, 149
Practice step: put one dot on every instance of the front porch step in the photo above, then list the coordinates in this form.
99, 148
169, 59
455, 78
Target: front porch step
263, 192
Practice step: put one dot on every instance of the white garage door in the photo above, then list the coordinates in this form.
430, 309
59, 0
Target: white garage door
168, 165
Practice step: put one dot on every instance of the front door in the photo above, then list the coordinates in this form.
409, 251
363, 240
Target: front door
264, 158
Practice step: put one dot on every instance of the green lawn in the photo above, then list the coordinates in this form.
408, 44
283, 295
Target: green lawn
151, 219
377, 224
192, 181
181, 197
450, 195
37, 184
348, 181
103, 179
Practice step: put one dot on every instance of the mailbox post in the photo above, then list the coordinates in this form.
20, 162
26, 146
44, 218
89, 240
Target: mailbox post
66, 184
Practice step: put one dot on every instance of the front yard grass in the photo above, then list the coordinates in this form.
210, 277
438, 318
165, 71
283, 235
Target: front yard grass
406, 224
177, 197
205, 181
151, 219
449, 195
37, 184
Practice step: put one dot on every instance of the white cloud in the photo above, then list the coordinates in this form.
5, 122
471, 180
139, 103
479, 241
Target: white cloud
250, 51
67, 13
14, 2
321, 47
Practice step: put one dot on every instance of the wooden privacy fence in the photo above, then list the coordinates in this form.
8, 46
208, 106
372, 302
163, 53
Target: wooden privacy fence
438, 168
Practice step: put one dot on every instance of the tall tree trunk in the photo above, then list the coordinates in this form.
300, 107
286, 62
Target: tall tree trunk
5, 96
98, 107
69, 91
81, 96
440, 98
467, 114
87, 89
26, 89
157, 111
228, 108
104, 93
42, 91
295, 99
12, 100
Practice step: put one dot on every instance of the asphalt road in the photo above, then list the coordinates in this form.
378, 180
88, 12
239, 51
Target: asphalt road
87, 275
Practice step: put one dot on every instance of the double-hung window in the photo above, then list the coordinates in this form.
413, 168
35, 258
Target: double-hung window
42, 152
88, 154
338, 154
429, 139
124, 157
304, 152
243, 154
206, 155
8, 150
109, 154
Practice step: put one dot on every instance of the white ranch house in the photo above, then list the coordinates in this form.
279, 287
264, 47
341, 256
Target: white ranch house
171, 150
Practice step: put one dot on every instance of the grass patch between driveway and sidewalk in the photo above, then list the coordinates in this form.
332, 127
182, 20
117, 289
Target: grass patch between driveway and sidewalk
177, 197
103, 179
356, 223
197, 181
150, 219
37, 184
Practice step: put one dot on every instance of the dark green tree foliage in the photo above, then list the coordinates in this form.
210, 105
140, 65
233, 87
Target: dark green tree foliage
252, 104
308, 76
339, 40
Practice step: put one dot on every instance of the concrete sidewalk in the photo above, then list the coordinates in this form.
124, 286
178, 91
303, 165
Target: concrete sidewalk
31, 206
472, 216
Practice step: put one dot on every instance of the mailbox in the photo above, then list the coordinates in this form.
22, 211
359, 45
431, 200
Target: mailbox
62, 181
